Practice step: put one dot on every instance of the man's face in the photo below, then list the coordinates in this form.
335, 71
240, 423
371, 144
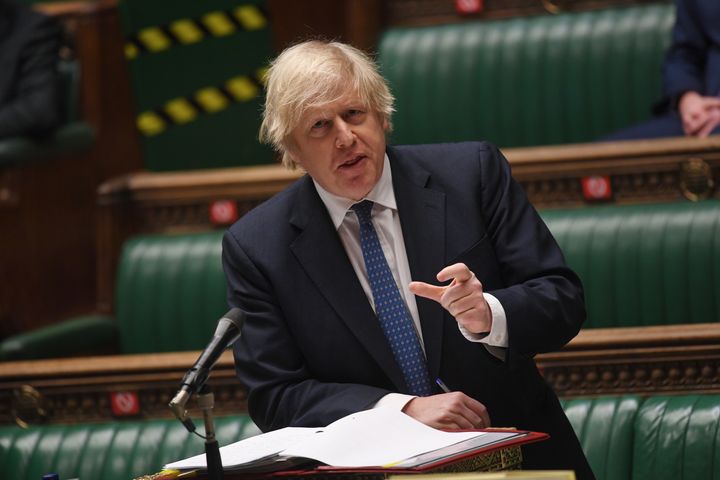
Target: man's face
341, 146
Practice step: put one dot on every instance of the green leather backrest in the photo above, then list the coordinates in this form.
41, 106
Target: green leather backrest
170, 292
677, 438
653, 438
640, 265
545, 79
109, 451
645, 264
604, 426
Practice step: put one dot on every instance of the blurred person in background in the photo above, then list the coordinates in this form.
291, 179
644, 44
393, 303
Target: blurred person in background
691, 77
30, 90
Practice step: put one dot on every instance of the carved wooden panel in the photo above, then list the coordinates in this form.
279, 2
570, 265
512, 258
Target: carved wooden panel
109, 387
643, 360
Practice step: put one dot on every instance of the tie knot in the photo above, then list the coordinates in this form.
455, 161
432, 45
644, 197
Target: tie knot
363, 210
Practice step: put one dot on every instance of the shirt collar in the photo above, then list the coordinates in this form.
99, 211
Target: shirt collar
382, 193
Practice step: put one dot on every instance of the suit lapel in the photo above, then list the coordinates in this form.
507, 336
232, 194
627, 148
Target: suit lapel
320, 252
422, 216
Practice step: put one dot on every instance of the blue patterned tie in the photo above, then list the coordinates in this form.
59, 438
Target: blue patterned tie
390, 308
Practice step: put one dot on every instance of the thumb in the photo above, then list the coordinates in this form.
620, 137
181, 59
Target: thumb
426, 290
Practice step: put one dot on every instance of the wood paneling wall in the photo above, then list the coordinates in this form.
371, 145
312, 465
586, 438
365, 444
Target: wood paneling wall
48, 221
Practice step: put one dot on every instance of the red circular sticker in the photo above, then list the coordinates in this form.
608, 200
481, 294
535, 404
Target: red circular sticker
124, 403
223, 212
465, 7
597, 187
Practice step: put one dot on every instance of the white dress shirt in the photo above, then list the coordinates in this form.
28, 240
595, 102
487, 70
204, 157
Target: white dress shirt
386, 220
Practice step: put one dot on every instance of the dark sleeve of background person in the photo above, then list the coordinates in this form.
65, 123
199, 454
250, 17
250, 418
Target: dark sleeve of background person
684, 66
30, 89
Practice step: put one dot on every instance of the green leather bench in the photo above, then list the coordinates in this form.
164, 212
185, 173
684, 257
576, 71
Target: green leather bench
656, 438
641, 265
170, 292
107, 451
656, 264
546, 79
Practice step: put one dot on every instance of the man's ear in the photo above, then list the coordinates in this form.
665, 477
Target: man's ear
292, 158
290, 153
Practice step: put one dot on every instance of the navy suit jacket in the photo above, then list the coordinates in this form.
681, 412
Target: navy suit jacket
693, 60
312, 349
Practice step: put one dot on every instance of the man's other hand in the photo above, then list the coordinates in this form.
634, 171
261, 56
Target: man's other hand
463, 298
449, 411
699, 114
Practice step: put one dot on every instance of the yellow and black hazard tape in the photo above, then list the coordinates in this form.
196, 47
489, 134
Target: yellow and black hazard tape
207, 100
186, 31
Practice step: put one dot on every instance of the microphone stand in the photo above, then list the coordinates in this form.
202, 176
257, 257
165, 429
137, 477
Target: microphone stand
227, 331
206, 402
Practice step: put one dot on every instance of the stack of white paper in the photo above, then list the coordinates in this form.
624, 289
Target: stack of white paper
380, 437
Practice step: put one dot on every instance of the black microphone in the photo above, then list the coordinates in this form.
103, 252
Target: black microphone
226, 333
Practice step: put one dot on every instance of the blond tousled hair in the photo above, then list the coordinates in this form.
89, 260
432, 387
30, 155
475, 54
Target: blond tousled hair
313, 74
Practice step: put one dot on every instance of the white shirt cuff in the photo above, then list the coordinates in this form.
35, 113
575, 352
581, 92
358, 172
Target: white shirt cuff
498, 336
396, 401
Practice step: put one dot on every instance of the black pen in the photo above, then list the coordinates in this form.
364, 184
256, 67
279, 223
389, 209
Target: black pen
442, 385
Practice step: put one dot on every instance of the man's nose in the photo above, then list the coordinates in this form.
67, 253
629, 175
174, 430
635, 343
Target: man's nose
344, 135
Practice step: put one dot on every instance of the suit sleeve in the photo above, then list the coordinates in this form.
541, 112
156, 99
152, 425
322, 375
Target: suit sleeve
282, 391
543, 298
35, 106
684, 66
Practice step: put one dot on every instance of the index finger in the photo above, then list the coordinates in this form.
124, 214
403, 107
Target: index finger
457, 271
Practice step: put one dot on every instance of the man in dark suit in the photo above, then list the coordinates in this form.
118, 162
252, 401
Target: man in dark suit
30, 92
338, 274
691, 77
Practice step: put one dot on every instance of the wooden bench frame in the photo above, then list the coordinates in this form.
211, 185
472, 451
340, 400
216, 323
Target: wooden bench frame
675, 359
639, 171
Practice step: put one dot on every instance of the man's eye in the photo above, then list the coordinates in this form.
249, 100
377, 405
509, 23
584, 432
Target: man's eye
354, 114
319, 124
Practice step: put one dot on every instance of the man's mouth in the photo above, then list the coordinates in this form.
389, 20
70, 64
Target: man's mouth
351, 162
